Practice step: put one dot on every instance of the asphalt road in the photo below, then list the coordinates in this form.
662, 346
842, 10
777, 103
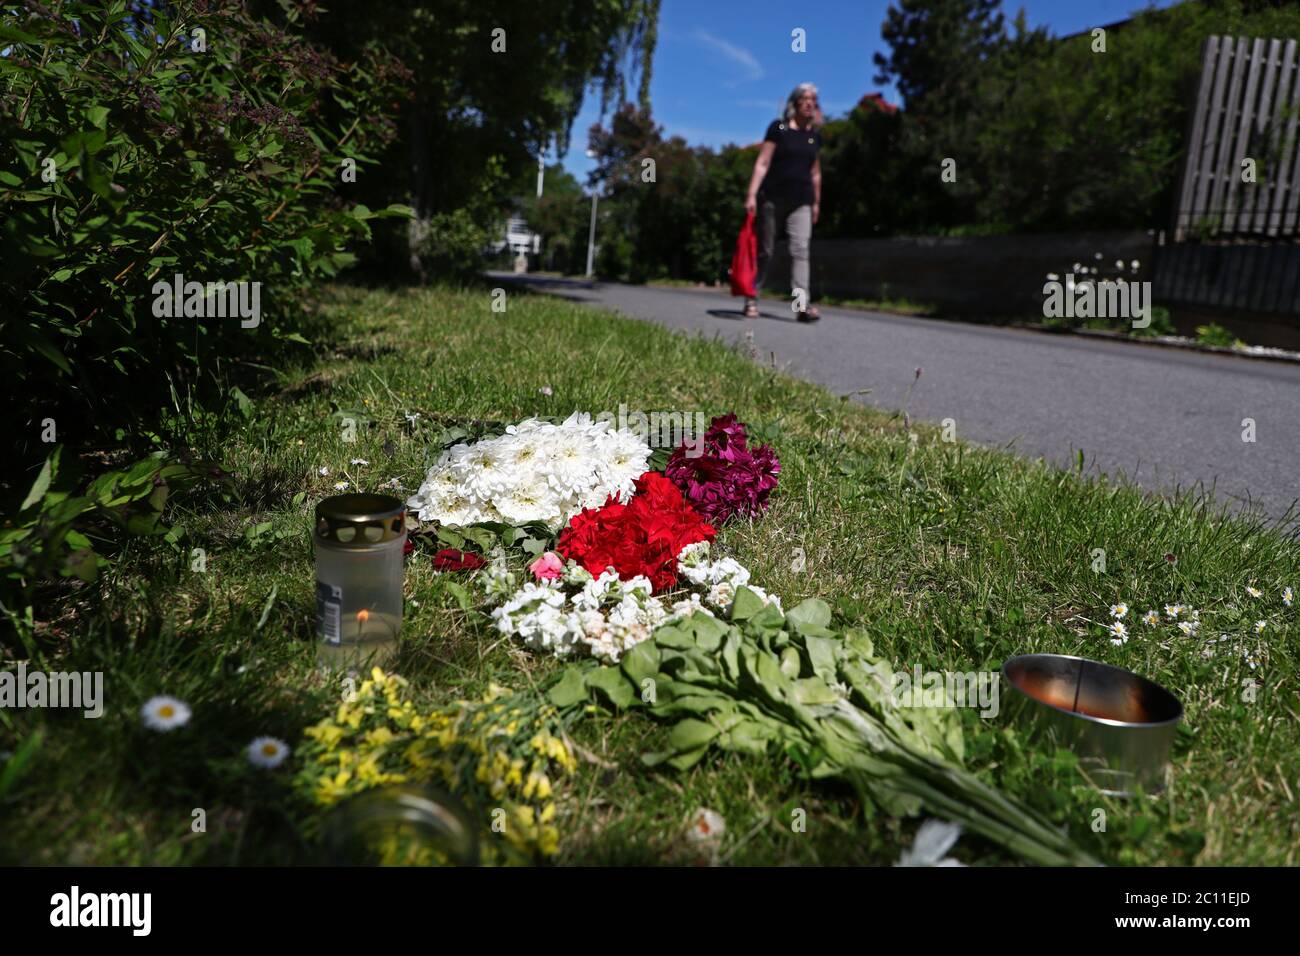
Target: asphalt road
1162, 417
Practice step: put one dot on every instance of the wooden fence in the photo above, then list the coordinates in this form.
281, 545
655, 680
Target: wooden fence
1247, 108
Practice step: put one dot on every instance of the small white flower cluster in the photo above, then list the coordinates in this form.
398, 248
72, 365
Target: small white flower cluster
536, 471
607, 616
719, 579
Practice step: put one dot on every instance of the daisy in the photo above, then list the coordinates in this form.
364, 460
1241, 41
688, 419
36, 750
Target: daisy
1151, 618
1259, 626
322, 471
1120, 631
164, 713
1118, 611
1287, 596
340, 486
1189, 627
707, 826
267, 752
359, 461
1173, 610
1253, 592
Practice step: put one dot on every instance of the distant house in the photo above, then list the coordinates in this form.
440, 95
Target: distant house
517, 237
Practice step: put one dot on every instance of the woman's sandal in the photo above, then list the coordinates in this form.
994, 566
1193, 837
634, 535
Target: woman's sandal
810, 314
751, 310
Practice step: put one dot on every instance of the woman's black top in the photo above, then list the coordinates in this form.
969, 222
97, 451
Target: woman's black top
789, 177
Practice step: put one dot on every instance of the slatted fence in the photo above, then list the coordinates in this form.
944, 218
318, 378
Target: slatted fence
1247, 107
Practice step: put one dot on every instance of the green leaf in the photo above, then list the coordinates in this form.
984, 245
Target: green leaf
814, 613
747, 604
570, 689
458, 592
641, 662
243, 401
613, 684
42, 482
690, 734
97, 116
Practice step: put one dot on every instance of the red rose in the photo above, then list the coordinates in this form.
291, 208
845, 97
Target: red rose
451, 559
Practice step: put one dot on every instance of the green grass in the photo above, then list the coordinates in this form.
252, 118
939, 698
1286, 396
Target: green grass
949, 556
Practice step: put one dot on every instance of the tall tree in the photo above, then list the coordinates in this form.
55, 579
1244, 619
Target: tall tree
490, 79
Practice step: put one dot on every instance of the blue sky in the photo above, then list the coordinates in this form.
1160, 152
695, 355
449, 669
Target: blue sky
723, 68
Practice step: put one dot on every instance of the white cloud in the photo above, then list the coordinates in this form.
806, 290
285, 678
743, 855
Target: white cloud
748, 63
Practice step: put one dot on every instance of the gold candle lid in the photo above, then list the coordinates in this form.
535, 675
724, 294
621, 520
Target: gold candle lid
360, 520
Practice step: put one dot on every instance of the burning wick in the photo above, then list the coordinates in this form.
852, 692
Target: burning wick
362, 616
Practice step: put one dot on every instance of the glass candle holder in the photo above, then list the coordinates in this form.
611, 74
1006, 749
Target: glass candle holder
359, 541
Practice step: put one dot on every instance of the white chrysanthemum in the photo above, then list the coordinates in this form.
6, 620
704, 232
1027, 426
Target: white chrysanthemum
267, 752
1119, 611
1119, 632
1254, 592
163, 713
536, 471
1287, 596
1151, 618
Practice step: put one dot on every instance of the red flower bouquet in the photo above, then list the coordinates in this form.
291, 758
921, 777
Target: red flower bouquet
726, 477
643, 536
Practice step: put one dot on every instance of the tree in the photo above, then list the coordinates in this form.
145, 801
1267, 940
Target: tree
489, 78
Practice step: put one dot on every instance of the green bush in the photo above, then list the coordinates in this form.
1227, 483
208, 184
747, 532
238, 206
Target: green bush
143, 140
1215, 335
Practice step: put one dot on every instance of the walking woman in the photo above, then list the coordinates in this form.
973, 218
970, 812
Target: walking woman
785, 192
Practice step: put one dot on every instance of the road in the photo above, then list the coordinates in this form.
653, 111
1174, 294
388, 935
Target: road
1162, 417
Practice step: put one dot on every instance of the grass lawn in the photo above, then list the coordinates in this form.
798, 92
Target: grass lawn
949, 556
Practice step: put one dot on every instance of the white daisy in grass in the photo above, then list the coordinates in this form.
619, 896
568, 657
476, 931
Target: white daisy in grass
1260, 626
358, 461
1119, 632
1254, 592
1189, 627
267, 752
1119, 611
1151, 618
1287, 596
1173, 610
163, 713
340, 486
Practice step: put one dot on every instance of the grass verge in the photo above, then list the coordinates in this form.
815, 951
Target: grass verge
951, 557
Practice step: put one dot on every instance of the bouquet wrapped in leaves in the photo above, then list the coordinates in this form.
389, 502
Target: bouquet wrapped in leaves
771, 681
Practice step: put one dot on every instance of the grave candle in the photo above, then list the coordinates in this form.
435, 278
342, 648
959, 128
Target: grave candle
359, 541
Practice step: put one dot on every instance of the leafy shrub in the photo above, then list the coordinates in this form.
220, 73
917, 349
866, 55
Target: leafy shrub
1215, 335
141, 140
51, 533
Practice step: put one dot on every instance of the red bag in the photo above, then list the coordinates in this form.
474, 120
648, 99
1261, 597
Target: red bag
744, 264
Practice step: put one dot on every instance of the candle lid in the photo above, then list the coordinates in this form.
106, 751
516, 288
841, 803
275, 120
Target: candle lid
360, 520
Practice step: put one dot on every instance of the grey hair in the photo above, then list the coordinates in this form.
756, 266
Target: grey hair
792, 104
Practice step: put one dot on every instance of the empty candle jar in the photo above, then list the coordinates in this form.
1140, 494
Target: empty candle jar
360, 540
1121, 725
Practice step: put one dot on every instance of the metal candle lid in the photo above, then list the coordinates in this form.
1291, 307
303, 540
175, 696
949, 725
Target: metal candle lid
360, 520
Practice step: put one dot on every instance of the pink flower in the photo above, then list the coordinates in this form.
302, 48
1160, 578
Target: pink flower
548, 567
